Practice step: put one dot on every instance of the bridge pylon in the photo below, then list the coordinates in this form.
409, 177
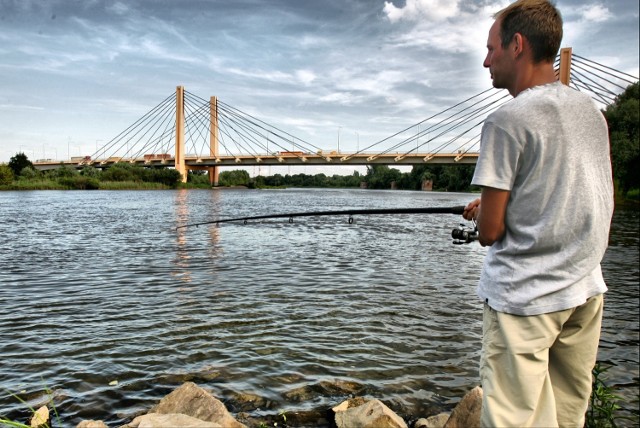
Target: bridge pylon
214, 171
180, 146
564, 74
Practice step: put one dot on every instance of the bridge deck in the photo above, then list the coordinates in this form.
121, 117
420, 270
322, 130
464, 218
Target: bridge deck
329, 159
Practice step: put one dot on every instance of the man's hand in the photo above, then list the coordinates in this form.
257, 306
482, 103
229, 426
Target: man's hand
471, 211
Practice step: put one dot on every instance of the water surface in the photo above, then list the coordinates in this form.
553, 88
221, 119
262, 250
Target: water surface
99, 286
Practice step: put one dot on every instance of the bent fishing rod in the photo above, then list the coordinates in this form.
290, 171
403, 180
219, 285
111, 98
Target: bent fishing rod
460, 235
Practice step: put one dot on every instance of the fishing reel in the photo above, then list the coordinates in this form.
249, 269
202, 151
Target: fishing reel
465, 235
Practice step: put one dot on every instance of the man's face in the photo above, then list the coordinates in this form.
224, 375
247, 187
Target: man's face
498, 60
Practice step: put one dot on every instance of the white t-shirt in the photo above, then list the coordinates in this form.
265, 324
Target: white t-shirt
550, 148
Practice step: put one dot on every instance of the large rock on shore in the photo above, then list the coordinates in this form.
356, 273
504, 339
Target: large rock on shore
371, 414
188, 400
158, 420
362, 413
467, 413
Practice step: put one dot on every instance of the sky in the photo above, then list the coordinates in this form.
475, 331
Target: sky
75, 73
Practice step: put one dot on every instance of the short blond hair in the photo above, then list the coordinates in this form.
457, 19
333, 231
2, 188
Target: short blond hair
539, 21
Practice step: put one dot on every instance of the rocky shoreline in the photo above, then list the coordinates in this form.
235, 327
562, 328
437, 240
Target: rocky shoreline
193, 406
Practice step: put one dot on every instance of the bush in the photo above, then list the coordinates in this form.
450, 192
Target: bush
198, 178
6, 175
89, 171
80, 183
120, 172
29, 173
234, 178
168, 177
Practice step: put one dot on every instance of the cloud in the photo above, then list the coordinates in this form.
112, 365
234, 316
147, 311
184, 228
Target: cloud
595, 13
429, 10
13, 107
450, 29
306, 77
118, 8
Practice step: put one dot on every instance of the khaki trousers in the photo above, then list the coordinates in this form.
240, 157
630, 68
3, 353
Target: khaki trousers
536, 370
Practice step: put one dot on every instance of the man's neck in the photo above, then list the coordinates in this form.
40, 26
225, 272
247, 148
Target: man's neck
532, 75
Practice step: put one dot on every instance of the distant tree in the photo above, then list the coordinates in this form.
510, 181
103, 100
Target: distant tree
275, 180
198, 177
6, 175
623, 120
318, 180
120, 172
257, 182
90, 171
64, 172
234, 178
30, 173
166, 176
381, 176
456, 178
18, 162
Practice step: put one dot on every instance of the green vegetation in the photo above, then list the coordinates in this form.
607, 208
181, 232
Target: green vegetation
623, 117
452, 178
116, 177
603, 402
234, 178
305, 180
6, 175
19, 162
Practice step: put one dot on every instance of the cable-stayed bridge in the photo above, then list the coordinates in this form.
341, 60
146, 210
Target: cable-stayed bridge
191, 133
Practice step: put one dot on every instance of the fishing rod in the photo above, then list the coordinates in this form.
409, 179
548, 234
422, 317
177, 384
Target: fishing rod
461, 235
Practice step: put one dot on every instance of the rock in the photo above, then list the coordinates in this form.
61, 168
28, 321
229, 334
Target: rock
372, 414
191, 400
91, 424
324, 388
437, 421
467, 413
347, 404
245, 402
158, 420
40, 417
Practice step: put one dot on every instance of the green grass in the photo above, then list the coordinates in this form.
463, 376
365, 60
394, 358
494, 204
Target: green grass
50, 404
103, 185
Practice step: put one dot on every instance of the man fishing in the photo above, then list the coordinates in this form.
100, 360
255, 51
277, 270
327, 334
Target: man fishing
545, 210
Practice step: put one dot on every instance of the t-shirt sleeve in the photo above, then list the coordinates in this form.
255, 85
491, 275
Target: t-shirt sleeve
498, 160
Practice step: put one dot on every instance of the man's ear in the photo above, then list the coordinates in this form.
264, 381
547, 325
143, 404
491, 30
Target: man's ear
517, 45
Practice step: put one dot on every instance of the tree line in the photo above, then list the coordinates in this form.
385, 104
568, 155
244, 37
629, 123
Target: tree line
443, 177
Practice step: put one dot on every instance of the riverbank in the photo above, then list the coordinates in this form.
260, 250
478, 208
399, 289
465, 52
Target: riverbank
191, 405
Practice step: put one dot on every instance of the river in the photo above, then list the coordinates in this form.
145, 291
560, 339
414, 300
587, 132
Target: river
110, 307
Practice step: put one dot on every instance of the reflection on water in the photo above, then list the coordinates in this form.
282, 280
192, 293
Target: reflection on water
182, 218
101, 286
